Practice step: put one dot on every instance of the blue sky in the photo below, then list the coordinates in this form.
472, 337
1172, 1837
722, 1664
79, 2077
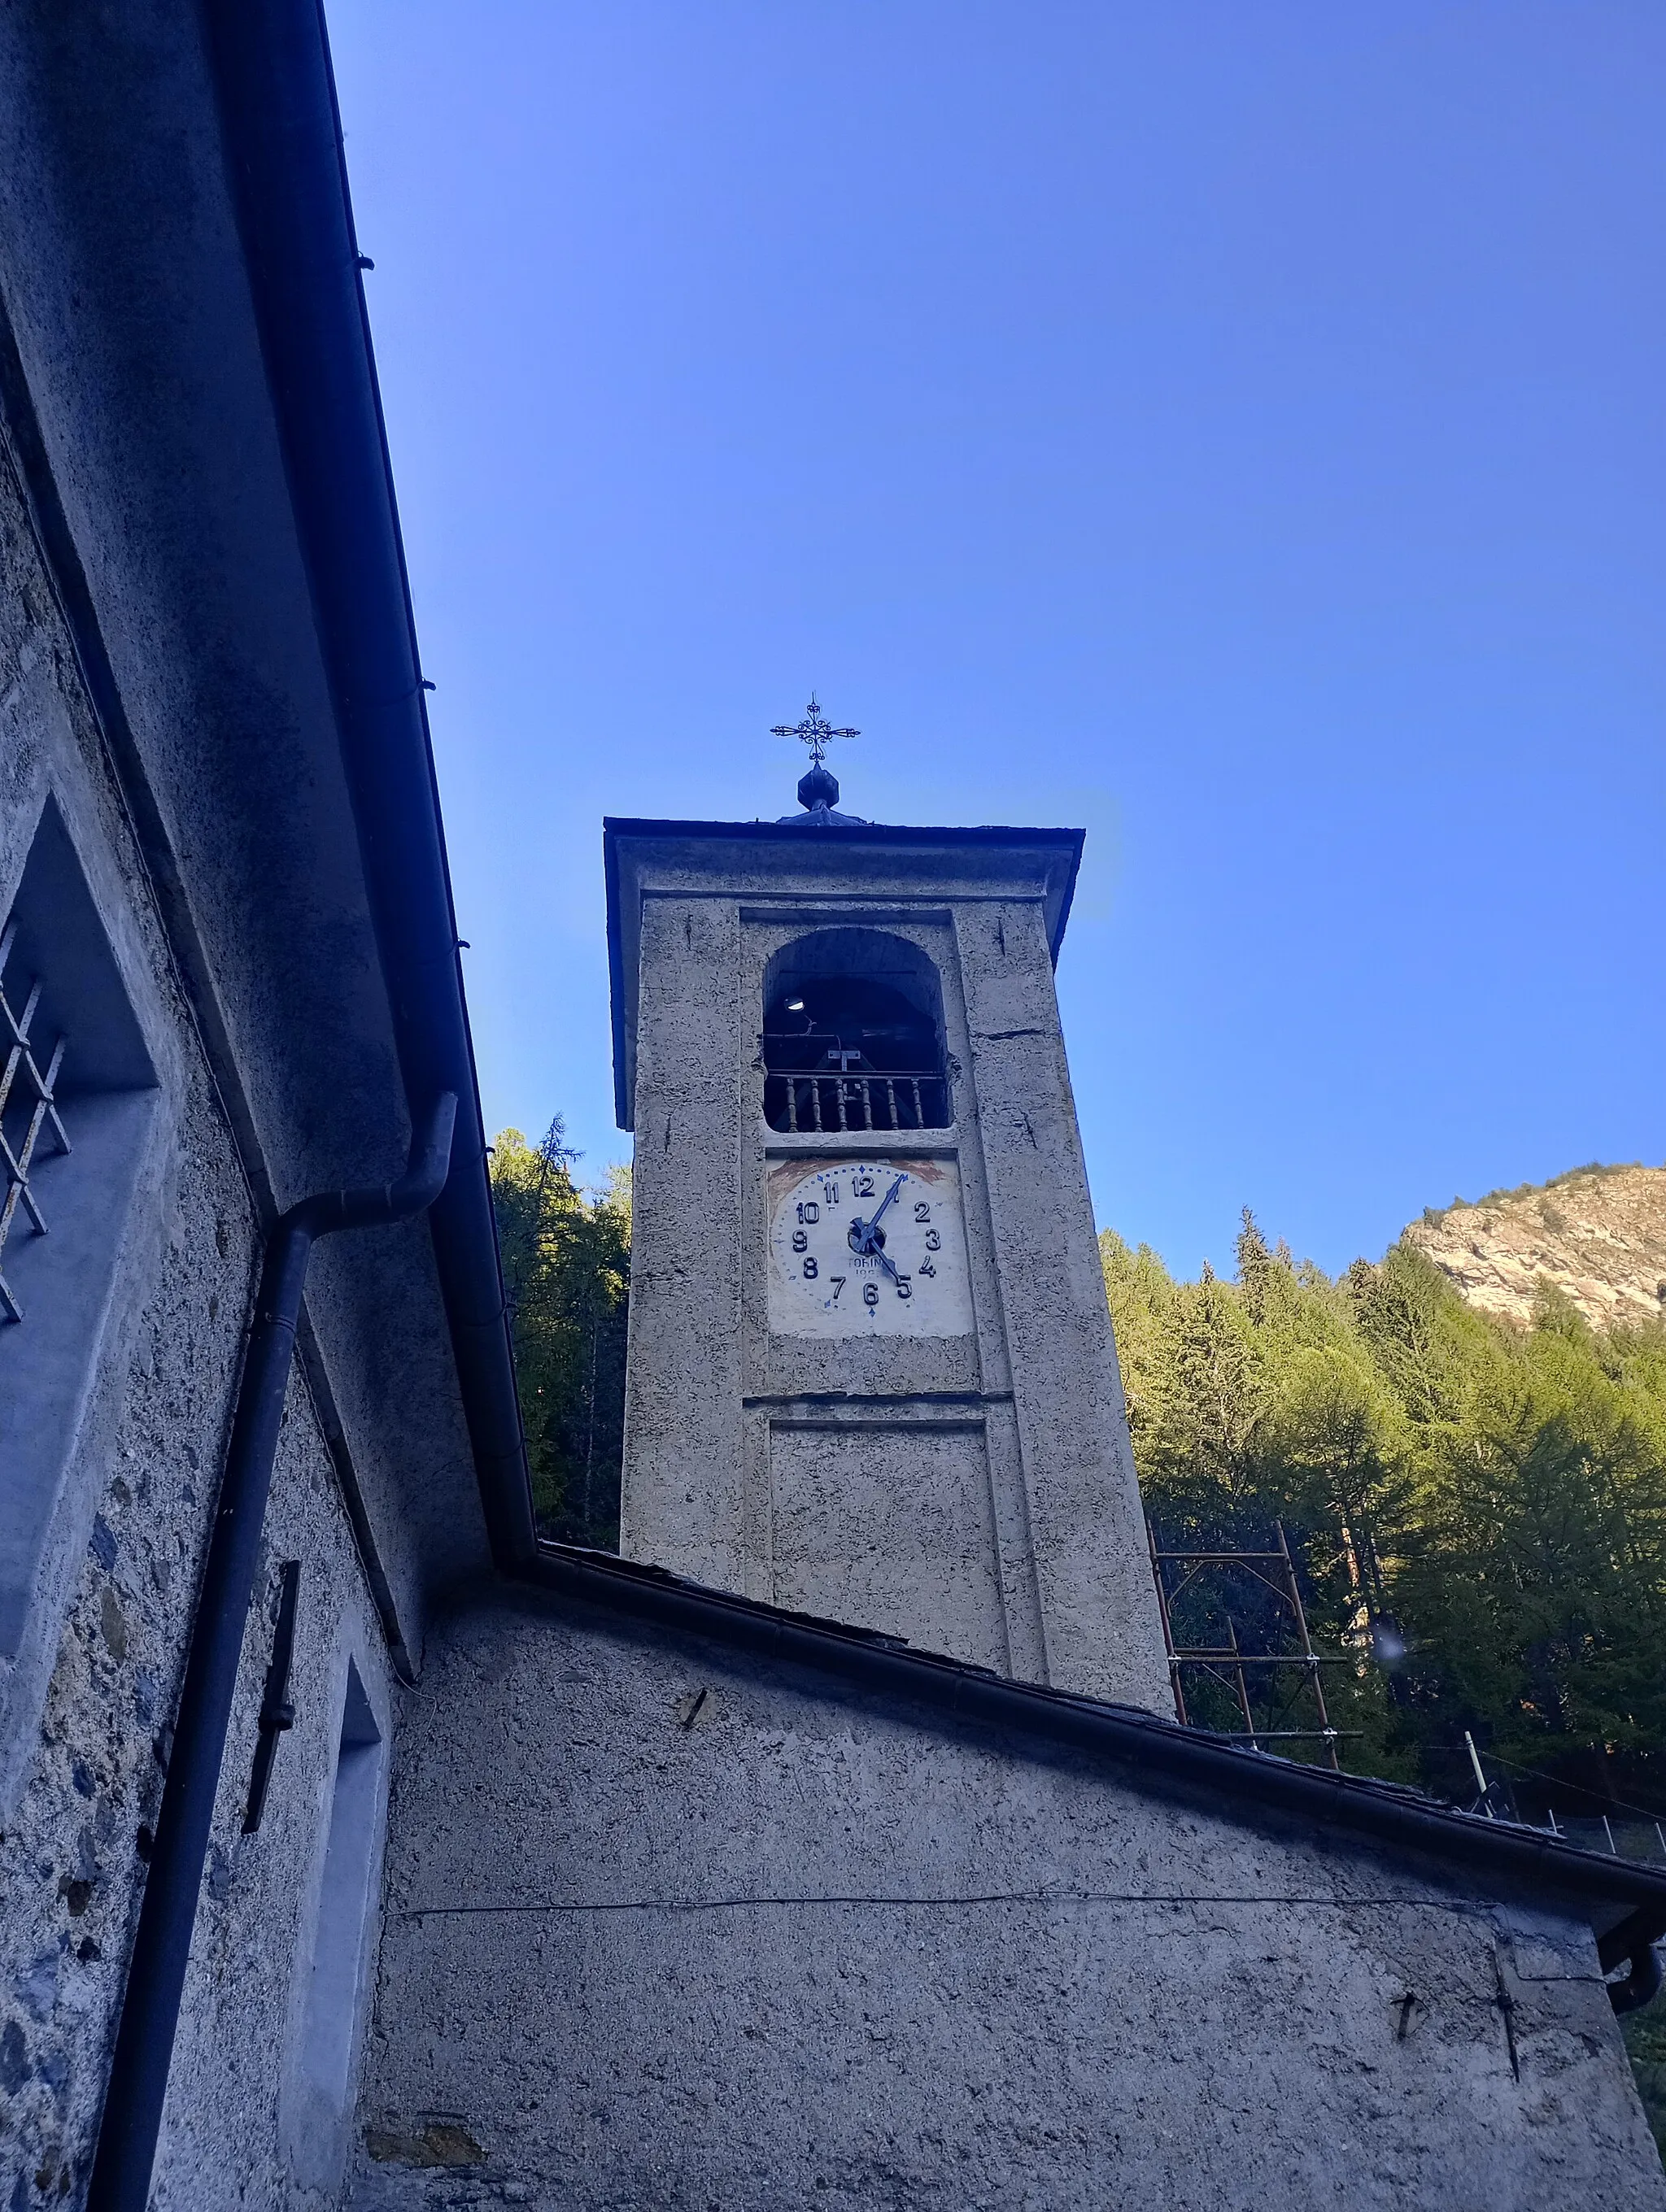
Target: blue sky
1231, 426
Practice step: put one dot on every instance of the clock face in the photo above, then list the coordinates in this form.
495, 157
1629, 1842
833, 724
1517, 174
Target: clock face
867, 1247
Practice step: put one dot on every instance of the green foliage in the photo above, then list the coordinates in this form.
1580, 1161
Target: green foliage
1493, 1497
567, 1269
1592, 1170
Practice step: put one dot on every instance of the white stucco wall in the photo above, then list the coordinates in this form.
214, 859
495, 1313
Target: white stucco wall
788, 1947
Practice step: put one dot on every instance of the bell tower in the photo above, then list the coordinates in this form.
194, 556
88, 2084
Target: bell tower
871, 1374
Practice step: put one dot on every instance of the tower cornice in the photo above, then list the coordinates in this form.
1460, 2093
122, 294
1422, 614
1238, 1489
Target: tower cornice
772, 860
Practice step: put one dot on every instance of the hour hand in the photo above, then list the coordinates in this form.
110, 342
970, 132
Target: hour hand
865, 1245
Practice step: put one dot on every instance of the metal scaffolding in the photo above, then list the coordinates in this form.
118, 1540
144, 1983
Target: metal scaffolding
1178, 1573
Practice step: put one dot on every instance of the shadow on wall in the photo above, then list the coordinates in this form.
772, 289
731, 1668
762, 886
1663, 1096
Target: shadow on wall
322, 2081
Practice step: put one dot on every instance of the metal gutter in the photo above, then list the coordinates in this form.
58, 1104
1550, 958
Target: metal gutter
1627, 1896
285, 157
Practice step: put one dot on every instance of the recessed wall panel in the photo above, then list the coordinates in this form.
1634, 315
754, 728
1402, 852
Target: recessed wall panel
889, 1526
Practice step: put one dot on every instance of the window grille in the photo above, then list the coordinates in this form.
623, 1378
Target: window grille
26, 1110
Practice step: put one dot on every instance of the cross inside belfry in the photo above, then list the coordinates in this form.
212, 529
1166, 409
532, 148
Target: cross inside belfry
814, 730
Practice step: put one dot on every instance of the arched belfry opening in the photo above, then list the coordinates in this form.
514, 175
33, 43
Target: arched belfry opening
852, 1036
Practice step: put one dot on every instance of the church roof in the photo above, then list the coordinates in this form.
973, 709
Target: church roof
286, 166
184, 344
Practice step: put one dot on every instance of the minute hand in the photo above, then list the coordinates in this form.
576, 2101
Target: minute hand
880, 1216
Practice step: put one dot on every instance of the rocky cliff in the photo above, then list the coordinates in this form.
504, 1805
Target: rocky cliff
1598, 1233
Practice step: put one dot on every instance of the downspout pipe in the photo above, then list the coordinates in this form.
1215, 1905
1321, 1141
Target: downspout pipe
161, 1948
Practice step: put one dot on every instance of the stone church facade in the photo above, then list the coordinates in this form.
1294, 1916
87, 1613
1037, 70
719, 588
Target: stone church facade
356, 1847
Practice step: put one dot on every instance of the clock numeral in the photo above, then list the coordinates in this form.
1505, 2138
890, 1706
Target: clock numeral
862, 1185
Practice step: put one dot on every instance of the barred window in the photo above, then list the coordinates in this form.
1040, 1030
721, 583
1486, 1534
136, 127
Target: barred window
28, 1111
75, 1072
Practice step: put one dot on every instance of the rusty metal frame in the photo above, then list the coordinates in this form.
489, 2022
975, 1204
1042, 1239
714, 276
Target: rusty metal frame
805, 1101
1228, 1664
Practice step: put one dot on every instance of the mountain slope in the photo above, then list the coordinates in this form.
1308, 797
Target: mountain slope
1598, 1234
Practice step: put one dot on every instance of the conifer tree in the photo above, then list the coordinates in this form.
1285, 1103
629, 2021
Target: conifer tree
566, 1257
1480, 1506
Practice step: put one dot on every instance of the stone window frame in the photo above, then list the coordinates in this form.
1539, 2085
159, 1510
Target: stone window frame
24, 1085
78, 1282
332, 1975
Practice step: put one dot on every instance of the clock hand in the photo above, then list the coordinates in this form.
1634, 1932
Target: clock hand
885, 1202
861, 1232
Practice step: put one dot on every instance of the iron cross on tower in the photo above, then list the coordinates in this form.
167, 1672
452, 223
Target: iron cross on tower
820, 787
815, 729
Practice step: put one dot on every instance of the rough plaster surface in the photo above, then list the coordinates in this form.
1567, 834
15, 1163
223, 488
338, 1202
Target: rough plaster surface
71, 1870
1098, 1609
1055, 1516
105, 1635
665, 1927
905, 1542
